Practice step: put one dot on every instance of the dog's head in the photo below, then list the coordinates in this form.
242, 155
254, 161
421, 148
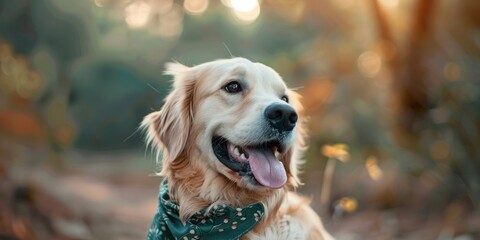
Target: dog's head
233, 118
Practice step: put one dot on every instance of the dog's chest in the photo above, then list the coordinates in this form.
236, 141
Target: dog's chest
286, 228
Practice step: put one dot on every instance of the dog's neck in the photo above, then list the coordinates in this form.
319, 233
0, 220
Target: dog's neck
195, 188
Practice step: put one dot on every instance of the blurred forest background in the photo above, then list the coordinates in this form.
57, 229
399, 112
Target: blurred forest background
391, 88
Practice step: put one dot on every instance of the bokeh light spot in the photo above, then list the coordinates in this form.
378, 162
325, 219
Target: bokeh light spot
28, 85
161, 6
226, 3
244, 6
169, 25
369, 63
195, 6
98, 3
245, 11
8, 64
348, 204
137, 14
248, 17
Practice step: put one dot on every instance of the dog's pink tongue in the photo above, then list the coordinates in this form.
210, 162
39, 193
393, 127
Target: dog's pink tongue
266, 168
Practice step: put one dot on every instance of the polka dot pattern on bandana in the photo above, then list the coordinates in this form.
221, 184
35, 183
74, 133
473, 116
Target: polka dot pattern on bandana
217, 222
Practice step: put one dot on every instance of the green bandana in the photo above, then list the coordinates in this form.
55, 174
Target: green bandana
218, 222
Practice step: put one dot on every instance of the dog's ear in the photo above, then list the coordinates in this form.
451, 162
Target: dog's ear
169, 128
293, 157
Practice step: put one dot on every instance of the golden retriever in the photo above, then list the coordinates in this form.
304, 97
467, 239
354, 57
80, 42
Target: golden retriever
231, 135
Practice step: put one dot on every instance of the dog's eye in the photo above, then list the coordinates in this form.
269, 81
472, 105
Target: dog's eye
233, 87
285, 99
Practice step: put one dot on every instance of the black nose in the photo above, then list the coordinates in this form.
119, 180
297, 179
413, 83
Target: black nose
281, 116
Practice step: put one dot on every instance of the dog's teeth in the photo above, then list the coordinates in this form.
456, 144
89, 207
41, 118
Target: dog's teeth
243, 156
236, 151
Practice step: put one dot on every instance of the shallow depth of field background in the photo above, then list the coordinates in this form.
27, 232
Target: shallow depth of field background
391, 89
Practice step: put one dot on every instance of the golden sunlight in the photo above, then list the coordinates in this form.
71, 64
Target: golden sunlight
195, 7
248, 17
389, 3
246, 11
137, 14
244, 6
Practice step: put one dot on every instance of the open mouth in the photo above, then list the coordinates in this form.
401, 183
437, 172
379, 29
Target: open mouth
258, 161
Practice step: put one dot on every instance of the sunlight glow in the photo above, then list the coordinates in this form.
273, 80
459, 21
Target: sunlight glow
226, 3
245, 11
248, 17
195, 6
389, 3
244, 6
369, 63
137, 14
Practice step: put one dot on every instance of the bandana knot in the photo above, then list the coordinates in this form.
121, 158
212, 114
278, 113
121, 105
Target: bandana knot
217, 222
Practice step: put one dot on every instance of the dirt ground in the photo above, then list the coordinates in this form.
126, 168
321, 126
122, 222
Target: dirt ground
114, 196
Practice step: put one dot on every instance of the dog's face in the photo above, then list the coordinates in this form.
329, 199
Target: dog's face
231, 117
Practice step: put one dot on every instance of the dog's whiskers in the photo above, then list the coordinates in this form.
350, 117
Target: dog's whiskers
152, 87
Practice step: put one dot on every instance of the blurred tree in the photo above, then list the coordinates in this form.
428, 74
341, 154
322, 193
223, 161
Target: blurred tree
417, 98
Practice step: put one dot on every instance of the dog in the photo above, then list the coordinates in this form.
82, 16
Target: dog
232, 138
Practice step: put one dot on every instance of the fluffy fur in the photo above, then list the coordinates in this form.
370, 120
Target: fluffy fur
197, 109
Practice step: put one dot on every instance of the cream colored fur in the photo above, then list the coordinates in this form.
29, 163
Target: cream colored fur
198, 108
